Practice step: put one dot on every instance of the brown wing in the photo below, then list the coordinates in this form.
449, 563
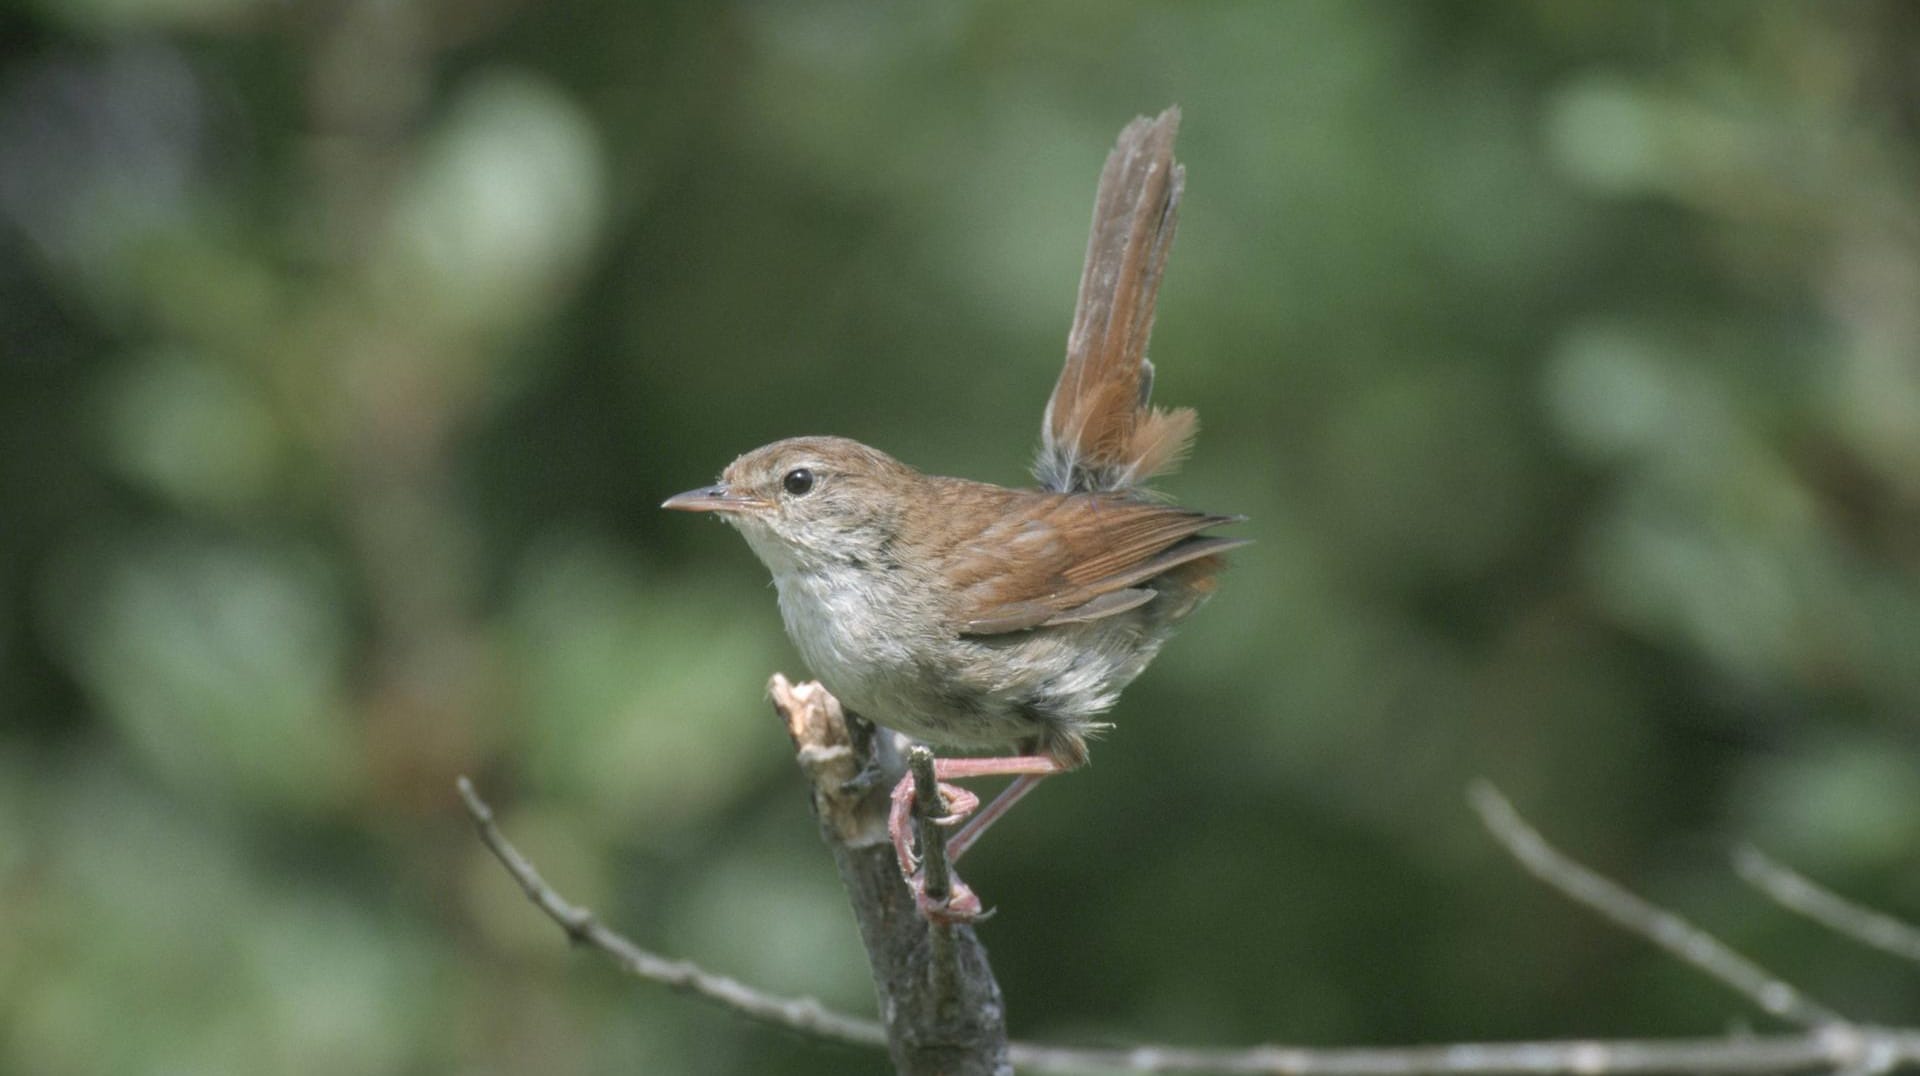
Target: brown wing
1049, 559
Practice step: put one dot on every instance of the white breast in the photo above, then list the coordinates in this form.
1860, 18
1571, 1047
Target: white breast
853, 630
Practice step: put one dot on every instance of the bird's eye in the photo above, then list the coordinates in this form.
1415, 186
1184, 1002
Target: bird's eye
798, 481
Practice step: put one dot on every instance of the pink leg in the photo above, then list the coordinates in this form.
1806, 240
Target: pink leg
976, 826
1027, 770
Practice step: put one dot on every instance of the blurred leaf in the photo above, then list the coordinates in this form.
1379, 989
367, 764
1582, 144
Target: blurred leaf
222, 667
634, 693
504, 208
192, 433
1837, 805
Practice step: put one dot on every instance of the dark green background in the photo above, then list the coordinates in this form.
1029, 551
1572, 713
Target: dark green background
1566, 358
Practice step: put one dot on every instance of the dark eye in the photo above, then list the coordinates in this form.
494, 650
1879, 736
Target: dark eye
798, 481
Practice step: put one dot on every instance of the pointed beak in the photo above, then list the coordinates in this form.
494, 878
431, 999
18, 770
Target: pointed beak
719, 498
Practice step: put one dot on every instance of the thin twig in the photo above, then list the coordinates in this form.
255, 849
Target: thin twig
804, 1015
1796, 892
1836, 1047
1687, 942
1824, 1050
936, 870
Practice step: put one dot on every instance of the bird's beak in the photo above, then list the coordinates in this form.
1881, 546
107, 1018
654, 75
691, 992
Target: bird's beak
721, 498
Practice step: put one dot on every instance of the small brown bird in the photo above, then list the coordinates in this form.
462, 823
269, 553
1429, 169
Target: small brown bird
976, 616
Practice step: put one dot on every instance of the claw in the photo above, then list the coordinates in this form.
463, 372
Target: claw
961, 906
959, 804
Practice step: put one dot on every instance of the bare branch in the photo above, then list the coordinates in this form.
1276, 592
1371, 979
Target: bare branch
1687, 942
1837, 1047
939, 1000
804, 1015
1796, 892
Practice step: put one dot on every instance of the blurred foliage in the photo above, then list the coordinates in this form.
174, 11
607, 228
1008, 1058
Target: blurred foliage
1565, 356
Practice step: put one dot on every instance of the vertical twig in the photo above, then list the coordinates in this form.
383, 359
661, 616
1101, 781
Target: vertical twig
944, 1017
936, 870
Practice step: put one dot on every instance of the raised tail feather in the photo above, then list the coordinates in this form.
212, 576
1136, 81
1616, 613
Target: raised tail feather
1100, 433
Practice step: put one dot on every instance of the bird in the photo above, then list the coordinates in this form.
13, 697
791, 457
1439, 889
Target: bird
985, 618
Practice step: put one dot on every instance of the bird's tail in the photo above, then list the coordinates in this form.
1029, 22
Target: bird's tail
1100, 432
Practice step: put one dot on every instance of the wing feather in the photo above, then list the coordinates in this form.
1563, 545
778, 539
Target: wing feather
1047, 559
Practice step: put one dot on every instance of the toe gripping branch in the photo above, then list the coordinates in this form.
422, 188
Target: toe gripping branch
925, 792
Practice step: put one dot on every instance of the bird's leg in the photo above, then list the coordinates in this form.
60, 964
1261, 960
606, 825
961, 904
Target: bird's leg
976, 826
1026, 770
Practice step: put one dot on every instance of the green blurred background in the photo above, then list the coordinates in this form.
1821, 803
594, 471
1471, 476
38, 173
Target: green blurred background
1566, 358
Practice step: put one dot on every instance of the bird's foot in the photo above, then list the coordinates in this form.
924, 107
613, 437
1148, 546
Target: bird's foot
960, 906
956, 801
